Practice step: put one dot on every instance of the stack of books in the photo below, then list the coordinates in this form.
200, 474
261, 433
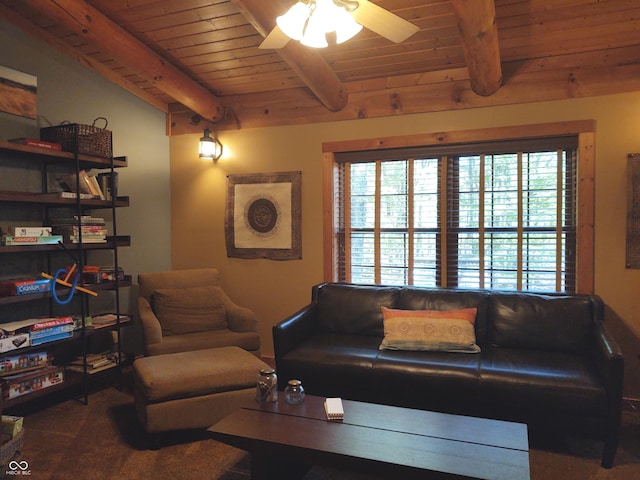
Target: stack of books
96, 362
92, 229
29, 236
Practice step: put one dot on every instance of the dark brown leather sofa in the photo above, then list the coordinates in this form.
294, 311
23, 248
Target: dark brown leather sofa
545, 360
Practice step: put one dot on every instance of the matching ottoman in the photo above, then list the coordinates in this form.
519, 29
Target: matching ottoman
190, 390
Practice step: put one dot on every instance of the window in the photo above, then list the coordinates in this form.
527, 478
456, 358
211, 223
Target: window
497, 215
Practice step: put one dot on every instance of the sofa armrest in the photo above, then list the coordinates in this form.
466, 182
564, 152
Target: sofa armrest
151, 329
610, 364
293, 330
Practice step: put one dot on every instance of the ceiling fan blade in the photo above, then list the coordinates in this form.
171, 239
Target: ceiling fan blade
275, 40
383, 22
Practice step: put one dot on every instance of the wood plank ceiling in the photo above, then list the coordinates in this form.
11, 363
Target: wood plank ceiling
207, 53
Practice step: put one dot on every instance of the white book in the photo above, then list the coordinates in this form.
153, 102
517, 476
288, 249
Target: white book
29, 231
333, 408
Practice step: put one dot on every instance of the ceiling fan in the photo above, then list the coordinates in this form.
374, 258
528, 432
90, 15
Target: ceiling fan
309, 20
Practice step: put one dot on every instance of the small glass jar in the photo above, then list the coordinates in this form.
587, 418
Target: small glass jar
294, 392
267, 386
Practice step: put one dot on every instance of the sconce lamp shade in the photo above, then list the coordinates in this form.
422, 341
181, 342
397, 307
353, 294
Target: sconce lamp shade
210, 148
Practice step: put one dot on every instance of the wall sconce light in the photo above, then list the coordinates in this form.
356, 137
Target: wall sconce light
210, 148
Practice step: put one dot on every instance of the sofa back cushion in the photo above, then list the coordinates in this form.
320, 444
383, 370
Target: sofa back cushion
415, 298
353, 309
541, 322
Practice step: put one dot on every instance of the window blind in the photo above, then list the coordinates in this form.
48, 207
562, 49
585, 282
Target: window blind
492, 215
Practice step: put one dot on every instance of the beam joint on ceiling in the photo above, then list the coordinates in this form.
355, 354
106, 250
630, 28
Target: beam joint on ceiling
89, 23
477, 25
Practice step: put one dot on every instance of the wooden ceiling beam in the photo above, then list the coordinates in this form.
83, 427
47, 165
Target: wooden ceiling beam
91, 24
306, 62
477, 24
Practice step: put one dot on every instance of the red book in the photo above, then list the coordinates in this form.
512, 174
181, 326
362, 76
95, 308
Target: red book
32, 142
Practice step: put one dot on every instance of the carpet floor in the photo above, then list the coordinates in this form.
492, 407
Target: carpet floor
104, 441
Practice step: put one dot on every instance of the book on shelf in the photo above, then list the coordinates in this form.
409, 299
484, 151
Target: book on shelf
88, 239
83, 196
95, 187
11, 240
95, 362
91, 371
333, 408
28, 231
73, 183
87, 184
34, 142
107, 320
109, 184
83, 220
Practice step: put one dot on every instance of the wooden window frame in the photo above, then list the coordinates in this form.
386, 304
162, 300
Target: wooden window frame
583, 129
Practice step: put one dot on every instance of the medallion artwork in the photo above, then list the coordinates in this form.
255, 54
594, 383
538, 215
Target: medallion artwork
262, 215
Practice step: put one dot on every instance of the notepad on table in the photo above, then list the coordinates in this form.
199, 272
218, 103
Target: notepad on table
333, 408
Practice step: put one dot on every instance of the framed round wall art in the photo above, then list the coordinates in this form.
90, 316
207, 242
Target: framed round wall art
263, 216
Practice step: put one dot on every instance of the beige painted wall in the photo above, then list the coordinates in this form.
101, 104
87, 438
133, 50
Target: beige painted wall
276, 289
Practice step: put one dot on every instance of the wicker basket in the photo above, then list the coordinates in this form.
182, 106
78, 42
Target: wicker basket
85, 139
11, 450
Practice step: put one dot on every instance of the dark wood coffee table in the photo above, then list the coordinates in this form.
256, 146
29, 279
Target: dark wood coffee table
388, 442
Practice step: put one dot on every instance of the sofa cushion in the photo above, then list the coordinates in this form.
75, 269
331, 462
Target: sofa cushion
439, 330
542, 322
331, 364
353, 309
189, 310
426, 380
249, 341
520, 383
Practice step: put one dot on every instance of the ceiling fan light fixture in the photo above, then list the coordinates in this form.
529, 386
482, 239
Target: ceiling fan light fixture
315, 30
308, 21
346, 26
293, 22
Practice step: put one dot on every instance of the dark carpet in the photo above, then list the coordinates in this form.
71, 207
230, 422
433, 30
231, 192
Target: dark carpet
103, 441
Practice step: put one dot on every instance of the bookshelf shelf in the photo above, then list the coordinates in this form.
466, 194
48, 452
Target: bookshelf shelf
29, 197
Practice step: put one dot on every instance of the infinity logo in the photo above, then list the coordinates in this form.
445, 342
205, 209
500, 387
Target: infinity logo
13, 465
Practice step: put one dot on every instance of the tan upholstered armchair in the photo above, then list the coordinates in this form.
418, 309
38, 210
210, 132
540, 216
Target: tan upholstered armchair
183, 310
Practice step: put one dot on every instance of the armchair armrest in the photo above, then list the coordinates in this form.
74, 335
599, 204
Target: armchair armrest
610, 364
292, 330
151, 329
241, 319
